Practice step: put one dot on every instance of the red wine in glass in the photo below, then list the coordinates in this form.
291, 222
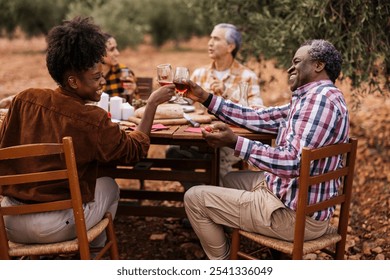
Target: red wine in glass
180, 87
181, 73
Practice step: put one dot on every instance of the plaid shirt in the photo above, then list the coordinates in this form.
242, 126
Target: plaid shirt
237, 72
113, 85
316, 116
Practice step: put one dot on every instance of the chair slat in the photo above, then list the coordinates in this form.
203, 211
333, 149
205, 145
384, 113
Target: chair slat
324, 204
30, 150
331, 175
80, 245
36, 208
328, 151
34, 177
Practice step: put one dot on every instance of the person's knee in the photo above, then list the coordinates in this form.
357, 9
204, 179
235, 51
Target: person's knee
192, 195
228, 179
188, 196
107, 186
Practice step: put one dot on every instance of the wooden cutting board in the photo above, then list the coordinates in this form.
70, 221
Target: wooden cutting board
163, 111
179, 121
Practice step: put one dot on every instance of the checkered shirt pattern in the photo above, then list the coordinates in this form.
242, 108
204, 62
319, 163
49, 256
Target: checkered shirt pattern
316, 116
113, 85
203, 76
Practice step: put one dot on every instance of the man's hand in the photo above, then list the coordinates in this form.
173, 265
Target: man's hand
219, 135
195, 92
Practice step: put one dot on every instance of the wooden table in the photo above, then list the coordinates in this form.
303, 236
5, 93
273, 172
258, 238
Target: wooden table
202, 171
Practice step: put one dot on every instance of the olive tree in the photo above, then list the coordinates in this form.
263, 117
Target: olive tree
275, 28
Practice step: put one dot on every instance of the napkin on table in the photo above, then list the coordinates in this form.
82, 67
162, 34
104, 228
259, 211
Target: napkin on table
155, 127
193, 129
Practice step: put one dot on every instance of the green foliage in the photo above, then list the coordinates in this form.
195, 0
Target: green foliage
275, 28
130, 20
121, 18
33, 17
271, 28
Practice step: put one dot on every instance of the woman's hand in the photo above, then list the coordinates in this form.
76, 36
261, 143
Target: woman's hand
130, 84
161, 95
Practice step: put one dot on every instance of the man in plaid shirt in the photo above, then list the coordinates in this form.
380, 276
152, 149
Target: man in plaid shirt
265, 201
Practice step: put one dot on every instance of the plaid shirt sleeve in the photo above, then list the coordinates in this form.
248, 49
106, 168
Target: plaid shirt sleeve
308, 121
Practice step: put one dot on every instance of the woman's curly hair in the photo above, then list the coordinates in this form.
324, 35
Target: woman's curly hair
76, 45
324, 51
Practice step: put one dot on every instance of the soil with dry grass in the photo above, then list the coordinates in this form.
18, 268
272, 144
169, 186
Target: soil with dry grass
23, 66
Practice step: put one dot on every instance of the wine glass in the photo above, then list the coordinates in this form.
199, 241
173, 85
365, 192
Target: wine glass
164, 74
128, 84
180, 74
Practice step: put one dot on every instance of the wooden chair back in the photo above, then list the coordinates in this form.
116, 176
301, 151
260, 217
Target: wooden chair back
69, 172
144, 87
299, 247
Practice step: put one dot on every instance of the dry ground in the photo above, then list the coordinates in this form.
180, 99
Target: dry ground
23, 66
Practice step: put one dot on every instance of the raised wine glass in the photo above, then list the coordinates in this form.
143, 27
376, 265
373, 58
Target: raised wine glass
164, 74
180, 74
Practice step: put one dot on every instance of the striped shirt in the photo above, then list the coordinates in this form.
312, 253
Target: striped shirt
204, 76
316, 116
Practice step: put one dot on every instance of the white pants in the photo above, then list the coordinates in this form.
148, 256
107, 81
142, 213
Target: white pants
59, 226
245, 202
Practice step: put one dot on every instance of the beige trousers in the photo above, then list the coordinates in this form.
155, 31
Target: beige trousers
245, 202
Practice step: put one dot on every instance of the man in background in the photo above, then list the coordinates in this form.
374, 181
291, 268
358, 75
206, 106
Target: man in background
222, 78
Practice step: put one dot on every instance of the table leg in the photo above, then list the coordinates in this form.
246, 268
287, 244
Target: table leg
215, 167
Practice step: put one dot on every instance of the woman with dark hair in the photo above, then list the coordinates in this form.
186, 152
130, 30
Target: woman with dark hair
120, 80
74, 59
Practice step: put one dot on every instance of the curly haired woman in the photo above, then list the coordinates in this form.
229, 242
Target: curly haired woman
74, 59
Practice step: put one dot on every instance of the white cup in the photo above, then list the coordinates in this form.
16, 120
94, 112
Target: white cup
116, 107
127, 111
103, 102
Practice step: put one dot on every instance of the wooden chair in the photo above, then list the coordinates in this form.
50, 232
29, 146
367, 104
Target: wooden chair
333, 236
144, 87
11, 250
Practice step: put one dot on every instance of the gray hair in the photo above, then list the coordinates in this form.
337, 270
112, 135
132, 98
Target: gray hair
232, 36
324, 51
